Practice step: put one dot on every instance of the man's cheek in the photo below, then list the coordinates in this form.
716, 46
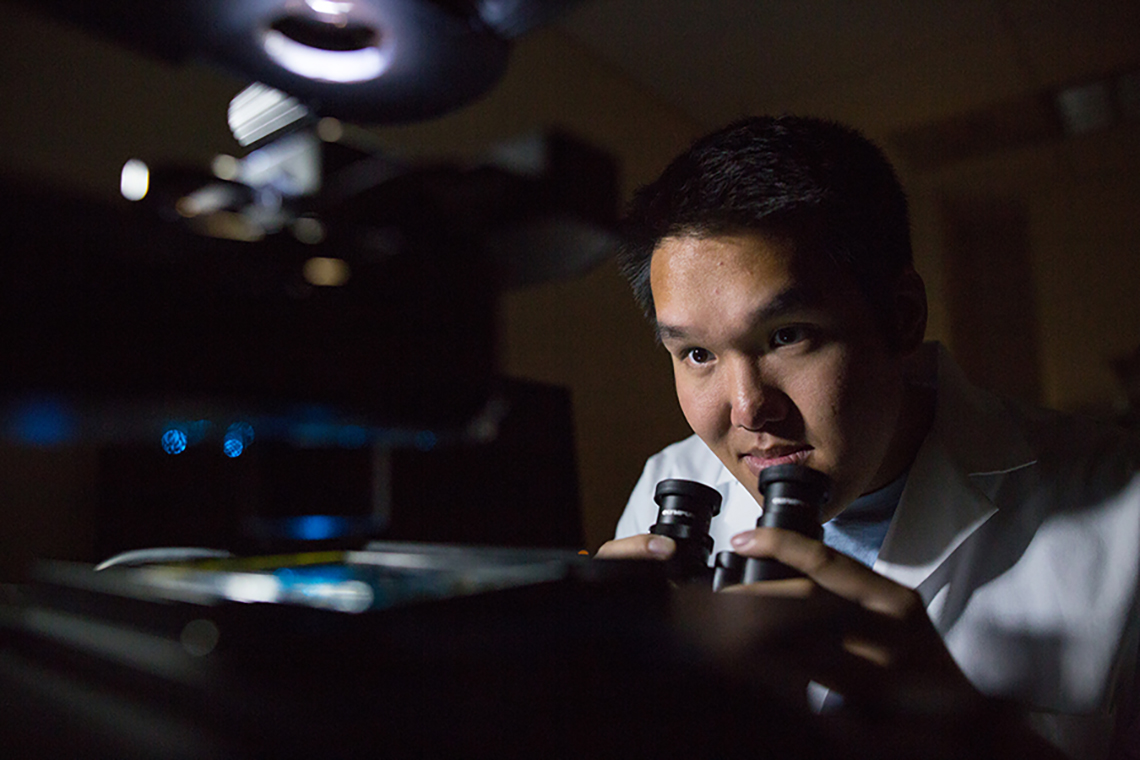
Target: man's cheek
692, 416
697, 413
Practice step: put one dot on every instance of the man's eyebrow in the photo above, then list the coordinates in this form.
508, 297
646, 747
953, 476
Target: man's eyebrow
794, 298
669, 332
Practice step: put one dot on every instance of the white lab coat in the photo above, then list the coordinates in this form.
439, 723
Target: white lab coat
1019, 528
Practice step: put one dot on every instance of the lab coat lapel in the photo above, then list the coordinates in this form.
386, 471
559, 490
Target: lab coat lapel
953, 486
939, 509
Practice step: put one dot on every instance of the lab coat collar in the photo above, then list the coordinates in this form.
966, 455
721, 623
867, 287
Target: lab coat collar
953, 485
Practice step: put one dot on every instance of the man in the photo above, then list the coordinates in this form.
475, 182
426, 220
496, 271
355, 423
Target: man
991, 549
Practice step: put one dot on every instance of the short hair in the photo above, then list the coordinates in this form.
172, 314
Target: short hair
820, 183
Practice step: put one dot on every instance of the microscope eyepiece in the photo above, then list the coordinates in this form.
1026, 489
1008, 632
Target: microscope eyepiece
793, 497
685, 511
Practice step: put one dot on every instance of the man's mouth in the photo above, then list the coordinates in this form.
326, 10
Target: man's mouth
759, 459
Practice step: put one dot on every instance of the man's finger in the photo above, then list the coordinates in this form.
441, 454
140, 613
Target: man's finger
638, 547
788, 588
832, 570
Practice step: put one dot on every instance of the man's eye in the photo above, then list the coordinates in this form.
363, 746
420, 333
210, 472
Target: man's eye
786, 336
698, 355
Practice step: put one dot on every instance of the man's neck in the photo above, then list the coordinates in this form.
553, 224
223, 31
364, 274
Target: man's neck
916, 417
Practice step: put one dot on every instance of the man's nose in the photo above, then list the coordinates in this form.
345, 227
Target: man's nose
755, 399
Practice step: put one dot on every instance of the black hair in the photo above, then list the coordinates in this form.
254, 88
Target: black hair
820, 183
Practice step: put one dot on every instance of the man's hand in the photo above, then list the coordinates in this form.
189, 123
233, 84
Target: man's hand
646, 546
891, 651
904, 690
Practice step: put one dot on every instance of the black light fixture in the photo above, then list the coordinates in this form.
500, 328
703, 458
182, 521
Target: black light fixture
372, 61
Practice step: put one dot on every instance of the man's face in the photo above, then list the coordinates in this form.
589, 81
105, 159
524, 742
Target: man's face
778, 359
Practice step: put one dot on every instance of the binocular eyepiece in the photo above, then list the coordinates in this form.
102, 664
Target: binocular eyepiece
685, 511
793, 497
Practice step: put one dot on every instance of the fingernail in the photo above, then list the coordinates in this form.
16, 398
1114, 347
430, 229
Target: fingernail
741, 540
659, 545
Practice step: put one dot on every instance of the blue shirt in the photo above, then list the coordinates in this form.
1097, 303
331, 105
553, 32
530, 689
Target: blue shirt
859, 530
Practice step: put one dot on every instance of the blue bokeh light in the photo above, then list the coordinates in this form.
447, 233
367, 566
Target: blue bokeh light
297, 576
174, 441
316, 527
242, 431
352, 437
238, 436
232, 446
313, 434
44, 422
426, 440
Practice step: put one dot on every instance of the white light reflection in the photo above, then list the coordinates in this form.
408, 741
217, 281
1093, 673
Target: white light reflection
340, 66
251, 588
225, 167
330, 7
330, 129
309, 230
206, 200
134, 181
345, 596
259, 110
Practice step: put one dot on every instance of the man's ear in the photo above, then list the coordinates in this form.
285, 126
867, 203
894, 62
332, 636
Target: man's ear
908, 312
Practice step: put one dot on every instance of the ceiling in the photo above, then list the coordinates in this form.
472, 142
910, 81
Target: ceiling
884, 65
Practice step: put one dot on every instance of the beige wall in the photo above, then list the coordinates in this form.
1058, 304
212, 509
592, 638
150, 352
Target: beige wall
1080, 196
